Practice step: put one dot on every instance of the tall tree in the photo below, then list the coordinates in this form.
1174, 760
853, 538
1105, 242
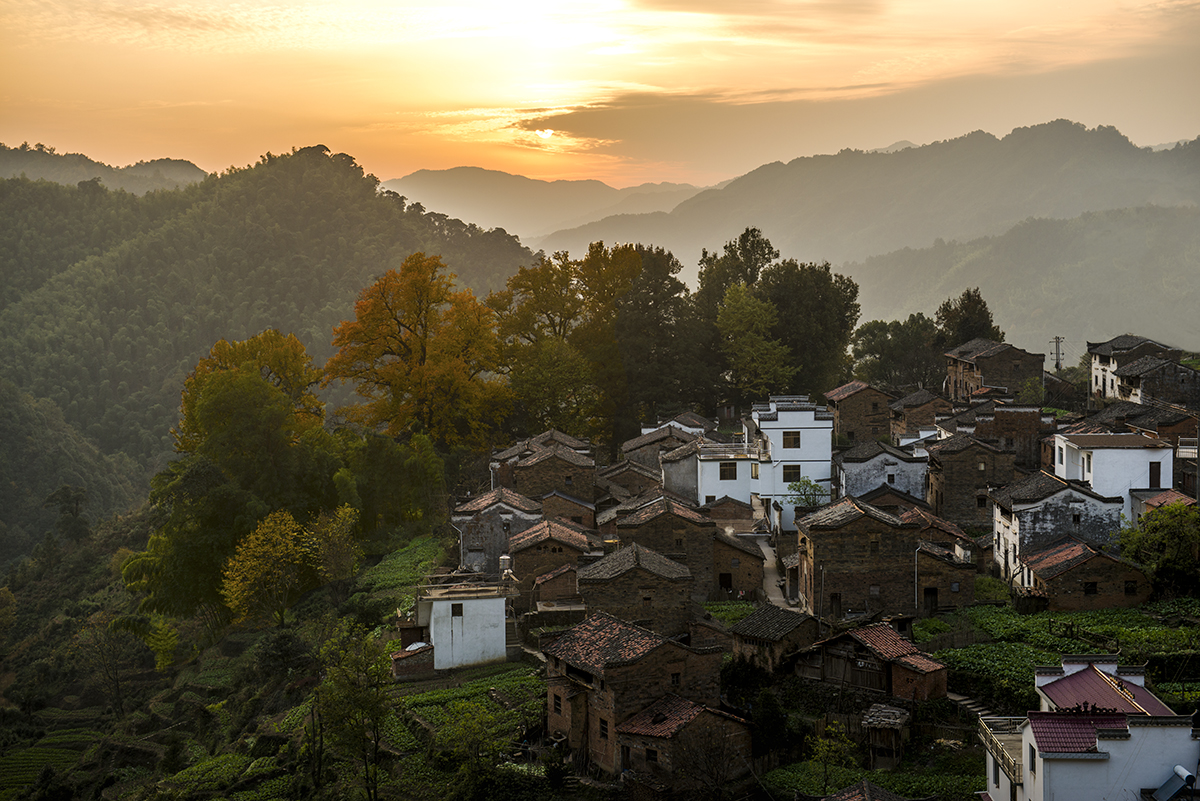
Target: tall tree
421, 355
741, 260
1167, 542
758, 365
965, 318
898, 353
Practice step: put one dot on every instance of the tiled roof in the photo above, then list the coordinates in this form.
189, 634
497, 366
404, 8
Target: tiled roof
884, 642
683, 451
957, 443
887, 490
1100, 690
603, 641
568, 497
930, 523
969, 351
1140, 366
910, 401
1118, 344
1058, 558
628, 465
555, 573
1092, 441
769, 622
499, 495
663, 506
559, 530
1038, 487
751, 549
566, 454
665, 433
866, 451
846, 510
1168, 497
664, 718
846, 390
967, 416
1069, 733
635, 556
725, 500
693, 420
1152, 417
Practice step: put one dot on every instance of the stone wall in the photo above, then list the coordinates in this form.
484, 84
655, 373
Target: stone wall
639, 595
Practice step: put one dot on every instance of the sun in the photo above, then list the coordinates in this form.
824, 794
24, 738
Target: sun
544, 133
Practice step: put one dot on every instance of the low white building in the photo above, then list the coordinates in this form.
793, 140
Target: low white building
786, 439
1114, 464
874, 464
466, 623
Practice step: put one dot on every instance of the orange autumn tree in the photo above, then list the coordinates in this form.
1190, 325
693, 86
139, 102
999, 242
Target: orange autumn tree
422, 355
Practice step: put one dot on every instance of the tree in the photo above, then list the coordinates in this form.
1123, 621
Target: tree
758, 364
103, 651
422, 355
267, 570
898, 353
964, 318
806, 492
741, 261
70, 500
354, 702
833, 747
1167, 542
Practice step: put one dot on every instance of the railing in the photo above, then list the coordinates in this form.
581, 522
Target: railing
722, 451
1186, 449
989, 729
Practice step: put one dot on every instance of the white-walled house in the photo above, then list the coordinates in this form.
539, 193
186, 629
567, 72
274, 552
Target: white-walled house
1030, 514
466, 623
785, 439
870, 465
1099, 736
1114, 464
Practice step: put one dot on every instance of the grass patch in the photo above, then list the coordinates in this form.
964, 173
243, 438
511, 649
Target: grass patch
398, 573
807, 777
20, 768
729, 612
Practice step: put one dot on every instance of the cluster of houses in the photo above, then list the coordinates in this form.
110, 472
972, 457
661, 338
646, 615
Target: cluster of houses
605, 569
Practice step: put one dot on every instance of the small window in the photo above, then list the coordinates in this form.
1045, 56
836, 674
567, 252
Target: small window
676, 678
568, 480
1076, 518
557, 704
456, 610
679, 542
626, 759
1131, 587
954, 586
728, 471
792, 473
646, 602
735, 562
874, 547
603, 729
982, 467
874, 590
1032, 758
709, 498
754, 470
891, 478
981, 501
651, 755
791, 439
874, 406
577, 519
1089, 588
995, 772
1061, 458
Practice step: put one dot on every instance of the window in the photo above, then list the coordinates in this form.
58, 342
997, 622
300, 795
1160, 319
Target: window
1076, 518
891, 478
874, 590
995, 772
646, 602
626, 760
1089, 588
791, 439
676, 679
981, 501
792, 473
651, 755
874, 406
1032, 759
728, 471
679, 542
577, 519
557, 704
1087, 460
1131, 587
954, 586
874, 547
568, 480
456, 610
1061, 459
754, 470
709, 498
982, 467
735, 562
603, 729
1155, 475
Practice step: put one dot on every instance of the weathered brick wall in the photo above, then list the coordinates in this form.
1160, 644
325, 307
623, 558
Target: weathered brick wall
767, 654
1173, 383
485, 537
561, 587
715, 745
1067, 591
911, 685
1099, 524
681, 540
413, 665
1017, 428
554, 473
1010, 368
640, 595
944, 577
745, 571
635, 687
537, 560
863, 416
911, 420
557, 506
852, 567
956, 483
634, 481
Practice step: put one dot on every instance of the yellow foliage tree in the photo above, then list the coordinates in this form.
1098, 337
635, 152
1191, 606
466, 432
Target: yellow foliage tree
268, 569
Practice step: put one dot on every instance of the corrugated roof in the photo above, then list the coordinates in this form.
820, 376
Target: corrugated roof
969, 351
769, 622
957, 443
1140, 366
1099, 690
1168, 497
1040, 486
865, 791
603, 641
751, 549
664, 718
630, 558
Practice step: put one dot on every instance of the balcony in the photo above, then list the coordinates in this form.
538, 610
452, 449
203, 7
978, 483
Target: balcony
1002, 738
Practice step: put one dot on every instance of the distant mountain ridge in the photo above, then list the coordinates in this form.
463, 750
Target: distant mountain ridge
855, 204
41, 162
530, 207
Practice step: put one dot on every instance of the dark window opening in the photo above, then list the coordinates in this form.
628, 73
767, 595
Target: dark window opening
792, 473
676, 678
981, 501
1090, 588
651, 755
1076, 518
1131, 587
603, 729
456, 610
791, 439
725, 581
728, 471
557, 704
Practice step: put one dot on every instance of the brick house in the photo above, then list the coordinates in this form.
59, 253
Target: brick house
569, 507
860, 412
862, 559
870, 465
1074, 577
962, 470
892, 500
914, 413
876, 658
647, 449
604, 670
732, 515
737, 565
641, 586
1151, 379
684, 745
545, 547
677, 532
634, 477
984, 364
557, 468
1108, 357
769, 632
485, 523
559, 586
1020, 429
1032, 512
949, 536
503, 462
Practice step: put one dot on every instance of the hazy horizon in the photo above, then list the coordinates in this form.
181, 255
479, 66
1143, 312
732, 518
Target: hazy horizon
622, 91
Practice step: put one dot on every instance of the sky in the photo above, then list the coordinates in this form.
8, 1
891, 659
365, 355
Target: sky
626, 92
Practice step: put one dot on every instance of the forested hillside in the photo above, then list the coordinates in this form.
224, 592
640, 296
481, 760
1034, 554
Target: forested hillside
854, 204
110, 299
41, 162
1086, 278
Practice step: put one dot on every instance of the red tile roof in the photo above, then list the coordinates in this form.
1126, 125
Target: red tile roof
1168, 497
1070, 733
883, 640
664, 718
603, 641
555, 573
1058, 558
663, 506
1097, 689
558, 530
846, 390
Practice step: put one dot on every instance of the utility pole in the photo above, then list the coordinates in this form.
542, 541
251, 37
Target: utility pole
1057, 354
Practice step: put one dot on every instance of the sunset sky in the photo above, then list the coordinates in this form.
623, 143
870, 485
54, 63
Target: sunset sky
645, 90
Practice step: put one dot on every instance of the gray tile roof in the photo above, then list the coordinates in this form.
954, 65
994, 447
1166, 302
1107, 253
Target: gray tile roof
847, 510
1138, 367
769, 622
1118, 344
1038, 487
866, 451
664, 434
918, 398
632, 558
497, 496
603, 641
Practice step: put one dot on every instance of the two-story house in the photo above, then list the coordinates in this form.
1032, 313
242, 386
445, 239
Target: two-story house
962, 470
873, 464
485, 522
1114, 464
982, 364
860, 412
1154, 380
1107, 357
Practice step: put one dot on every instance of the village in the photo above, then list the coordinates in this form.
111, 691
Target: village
843, 524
